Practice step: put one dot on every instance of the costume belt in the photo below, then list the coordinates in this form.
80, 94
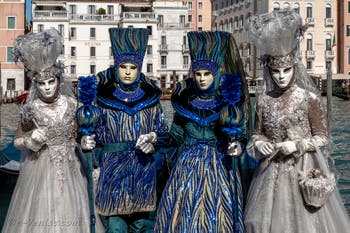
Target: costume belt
119, 147
194, 141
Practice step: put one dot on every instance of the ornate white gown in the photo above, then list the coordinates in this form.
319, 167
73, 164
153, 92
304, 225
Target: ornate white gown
51, 192
275, 203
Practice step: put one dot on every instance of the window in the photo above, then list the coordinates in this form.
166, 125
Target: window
92, 69
347, 30
9, 57
110, 10
73, 51
163, 61
241, 21
62, 51
190, 5
92, 33
40, 27
149, 67
200, 28
348, 6
92, 51
328, 12
348, 56
200, 5
73, 69
309, 65
190, 18
161, 19
149, 49
61, 29
163, 40
276, 6
184, 40
11, 84
149, 28
91, 9
200, 18
328, 44
182, 19
11, 22
72, 9
328, 65
297, 8
73, 32
309, 11
309, 44
185, 60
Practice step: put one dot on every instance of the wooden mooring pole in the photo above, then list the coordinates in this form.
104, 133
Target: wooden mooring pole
329, 99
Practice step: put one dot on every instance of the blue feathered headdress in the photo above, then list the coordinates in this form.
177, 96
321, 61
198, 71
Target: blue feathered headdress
207, 49
128, 45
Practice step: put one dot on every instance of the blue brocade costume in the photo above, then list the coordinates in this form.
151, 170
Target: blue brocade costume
204, 192
127, 181
126, 191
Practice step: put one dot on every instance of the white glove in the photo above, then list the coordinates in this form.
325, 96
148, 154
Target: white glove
147, 148
146, 139
96, 174
88, 142
36, 140
265, 148
234, 149
287, 147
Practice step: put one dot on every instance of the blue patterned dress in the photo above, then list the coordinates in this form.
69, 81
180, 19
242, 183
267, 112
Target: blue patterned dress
204, 192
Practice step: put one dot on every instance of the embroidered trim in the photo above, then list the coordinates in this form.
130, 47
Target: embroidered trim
129, 96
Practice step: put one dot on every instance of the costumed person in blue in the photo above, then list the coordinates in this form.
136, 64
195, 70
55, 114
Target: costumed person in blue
129, 106
51, 191
293, 189
204, 192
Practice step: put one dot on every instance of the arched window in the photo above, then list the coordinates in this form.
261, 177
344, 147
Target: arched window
276, 6
286, 5
309, 10
328, 11
297, 8
309, 42
328, 42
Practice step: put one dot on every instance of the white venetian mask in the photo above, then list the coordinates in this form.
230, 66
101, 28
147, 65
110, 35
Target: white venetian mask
47, 88
204, 79
127, 73
282, 76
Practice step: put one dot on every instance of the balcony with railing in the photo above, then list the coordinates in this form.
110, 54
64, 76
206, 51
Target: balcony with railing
310, 54
310, 21
50, 15
139, 16
329, 54
163, 48
174, 26
93, 17
329, 22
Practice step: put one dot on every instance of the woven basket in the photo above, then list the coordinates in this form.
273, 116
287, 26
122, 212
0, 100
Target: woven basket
316, 187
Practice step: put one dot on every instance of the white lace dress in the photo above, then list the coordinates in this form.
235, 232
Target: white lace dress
51, 192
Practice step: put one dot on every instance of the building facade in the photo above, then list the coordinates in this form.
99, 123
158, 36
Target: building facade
12, 23
84, 25
343, 37
318, 46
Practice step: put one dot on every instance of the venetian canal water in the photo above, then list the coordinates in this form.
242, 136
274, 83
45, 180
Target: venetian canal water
340, 135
